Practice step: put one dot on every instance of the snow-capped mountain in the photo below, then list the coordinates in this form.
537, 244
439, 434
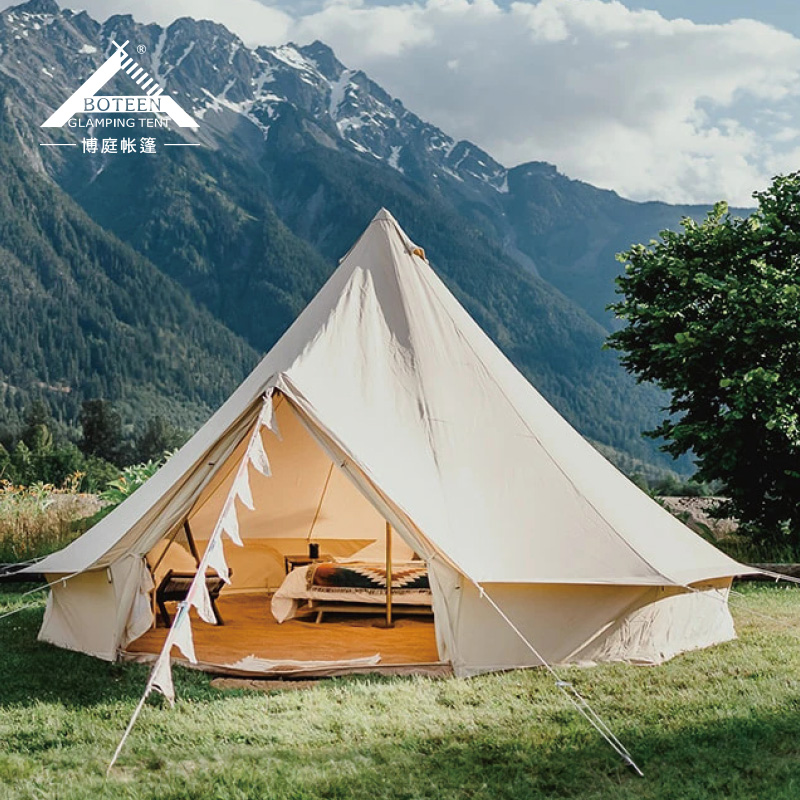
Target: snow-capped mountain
298, 152
213, 75
268, 99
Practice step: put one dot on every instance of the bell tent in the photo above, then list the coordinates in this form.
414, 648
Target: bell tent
386, 428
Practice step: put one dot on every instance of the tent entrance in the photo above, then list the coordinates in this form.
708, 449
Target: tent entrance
309, 518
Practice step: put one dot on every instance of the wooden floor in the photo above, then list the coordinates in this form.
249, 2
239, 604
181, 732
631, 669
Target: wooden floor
250, 629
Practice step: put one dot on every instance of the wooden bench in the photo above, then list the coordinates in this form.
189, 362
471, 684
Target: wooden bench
174, 587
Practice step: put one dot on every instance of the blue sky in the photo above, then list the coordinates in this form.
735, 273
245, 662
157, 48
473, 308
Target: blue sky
661, 99
783, 14
780, 13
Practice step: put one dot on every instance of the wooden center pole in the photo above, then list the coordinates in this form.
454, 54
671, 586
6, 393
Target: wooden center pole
388, 575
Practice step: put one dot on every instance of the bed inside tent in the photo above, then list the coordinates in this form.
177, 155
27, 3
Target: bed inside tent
272, 609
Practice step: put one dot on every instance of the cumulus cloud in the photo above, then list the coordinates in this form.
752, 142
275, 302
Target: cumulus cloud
376, 32
254, 22
625, 99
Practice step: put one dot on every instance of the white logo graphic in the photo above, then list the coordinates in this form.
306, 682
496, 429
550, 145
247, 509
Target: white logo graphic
151, 101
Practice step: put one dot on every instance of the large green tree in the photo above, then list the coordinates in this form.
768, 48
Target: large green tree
158, 437
713, 316
102, 431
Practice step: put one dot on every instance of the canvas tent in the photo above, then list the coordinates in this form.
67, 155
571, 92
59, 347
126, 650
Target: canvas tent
386, 384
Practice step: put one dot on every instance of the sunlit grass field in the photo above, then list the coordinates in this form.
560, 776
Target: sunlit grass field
719, 723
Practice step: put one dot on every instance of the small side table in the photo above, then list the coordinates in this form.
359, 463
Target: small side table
290, 561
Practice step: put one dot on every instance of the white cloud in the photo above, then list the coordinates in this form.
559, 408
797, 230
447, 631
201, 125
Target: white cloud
253, 21
654, 108
380, 32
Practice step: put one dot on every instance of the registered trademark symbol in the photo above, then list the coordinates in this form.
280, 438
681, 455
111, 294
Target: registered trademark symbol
141, 49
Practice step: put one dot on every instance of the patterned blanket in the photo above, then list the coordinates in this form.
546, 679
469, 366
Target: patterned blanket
366, 577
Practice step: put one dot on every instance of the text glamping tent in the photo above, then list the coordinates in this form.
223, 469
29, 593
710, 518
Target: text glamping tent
386, 391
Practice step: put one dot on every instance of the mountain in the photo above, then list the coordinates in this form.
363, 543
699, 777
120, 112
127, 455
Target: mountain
297, 154
84, 315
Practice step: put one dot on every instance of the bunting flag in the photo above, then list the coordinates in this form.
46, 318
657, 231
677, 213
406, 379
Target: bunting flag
230, 524
182, 634
268, 418
201, 600
215, 559
241, 489
161, 679
258, 456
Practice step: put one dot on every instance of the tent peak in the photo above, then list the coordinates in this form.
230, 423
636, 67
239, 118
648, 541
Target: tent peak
384, 215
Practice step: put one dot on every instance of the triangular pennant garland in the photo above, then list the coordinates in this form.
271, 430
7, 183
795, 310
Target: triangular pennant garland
180, 635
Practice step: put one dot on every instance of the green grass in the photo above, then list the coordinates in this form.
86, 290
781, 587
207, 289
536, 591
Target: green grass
723, 722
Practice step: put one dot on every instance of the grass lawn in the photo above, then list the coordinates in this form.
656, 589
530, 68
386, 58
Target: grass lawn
723, 722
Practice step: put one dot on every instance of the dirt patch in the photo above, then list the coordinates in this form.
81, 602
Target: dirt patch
226, 684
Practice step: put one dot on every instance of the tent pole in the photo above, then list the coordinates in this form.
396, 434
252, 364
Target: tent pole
153, 569
192, 545
319, 505
164, 551
389, 622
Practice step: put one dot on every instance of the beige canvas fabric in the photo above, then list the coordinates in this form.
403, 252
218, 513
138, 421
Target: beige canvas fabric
425, 423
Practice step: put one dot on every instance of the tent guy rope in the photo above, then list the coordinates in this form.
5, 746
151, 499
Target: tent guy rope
569, 691
63, 579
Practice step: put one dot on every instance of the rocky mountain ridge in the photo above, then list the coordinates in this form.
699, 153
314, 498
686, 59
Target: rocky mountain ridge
298, 152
